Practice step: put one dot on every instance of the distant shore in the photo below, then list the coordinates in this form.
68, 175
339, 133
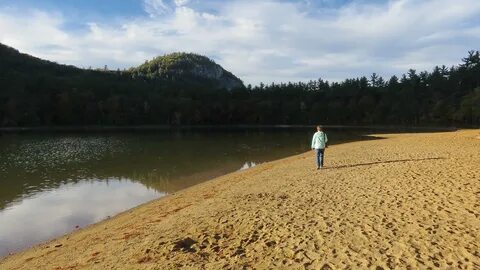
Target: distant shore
213, 127
400, 201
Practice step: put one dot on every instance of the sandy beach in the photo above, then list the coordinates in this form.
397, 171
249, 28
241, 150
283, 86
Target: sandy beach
407, 201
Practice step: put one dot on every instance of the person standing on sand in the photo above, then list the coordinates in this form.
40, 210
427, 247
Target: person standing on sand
319, 142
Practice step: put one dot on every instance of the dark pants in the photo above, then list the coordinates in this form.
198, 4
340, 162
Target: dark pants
320, 157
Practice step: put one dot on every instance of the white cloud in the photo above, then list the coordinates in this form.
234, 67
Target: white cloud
264, 40
156, 7
22, 32
181, 2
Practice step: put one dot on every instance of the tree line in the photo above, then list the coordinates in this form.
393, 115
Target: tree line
34, 92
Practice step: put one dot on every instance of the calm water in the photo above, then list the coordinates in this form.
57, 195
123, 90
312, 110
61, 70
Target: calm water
52, 184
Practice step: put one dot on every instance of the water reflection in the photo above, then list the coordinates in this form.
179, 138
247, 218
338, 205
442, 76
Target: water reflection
248, 165
61, 210
46, 179
50, 183
167, 161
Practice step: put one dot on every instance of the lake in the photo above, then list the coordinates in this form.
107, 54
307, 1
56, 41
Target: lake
52, 184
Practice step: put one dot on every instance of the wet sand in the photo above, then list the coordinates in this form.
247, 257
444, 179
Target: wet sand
398, 201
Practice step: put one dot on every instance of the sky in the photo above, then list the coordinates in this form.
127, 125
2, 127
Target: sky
259, 41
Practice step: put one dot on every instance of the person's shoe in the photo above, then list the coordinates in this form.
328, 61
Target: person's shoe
318, 168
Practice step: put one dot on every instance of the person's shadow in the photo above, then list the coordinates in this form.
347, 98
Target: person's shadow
382, 162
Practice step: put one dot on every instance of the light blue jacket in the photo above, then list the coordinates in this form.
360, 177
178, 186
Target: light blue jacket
319, 140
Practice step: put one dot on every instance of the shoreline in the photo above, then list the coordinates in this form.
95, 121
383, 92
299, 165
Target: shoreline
294, 216
217, 127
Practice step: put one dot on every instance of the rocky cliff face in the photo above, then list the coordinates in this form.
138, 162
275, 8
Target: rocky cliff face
187, 66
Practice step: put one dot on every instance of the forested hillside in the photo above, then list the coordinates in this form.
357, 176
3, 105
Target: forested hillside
444, 96
179, 89
186, 67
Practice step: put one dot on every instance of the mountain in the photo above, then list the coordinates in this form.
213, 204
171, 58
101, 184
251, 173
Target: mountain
14, 61
189, 89
187, 66
184, 68
167, 90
